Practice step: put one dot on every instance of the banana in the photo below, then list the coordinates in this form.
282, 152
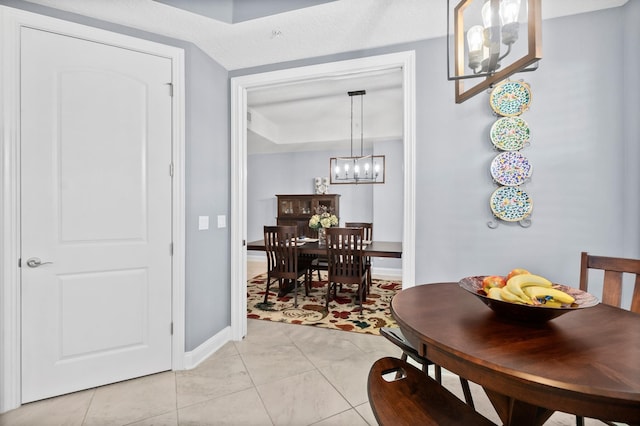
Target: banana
557, 296
495, 293
508, 296
518, 282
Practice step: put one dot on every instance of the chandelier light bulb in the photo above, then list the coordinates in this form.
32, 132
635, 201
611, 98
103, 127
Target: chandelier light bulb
356, 170
475, 39
509, 11
487, 14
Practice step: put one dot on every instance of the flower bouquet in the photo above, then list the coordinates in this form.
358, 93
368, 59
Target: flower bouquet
324, 218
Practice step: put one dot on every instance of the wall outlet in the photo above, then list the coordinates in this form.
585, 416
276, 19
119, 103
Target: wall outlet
222, 221
203, 222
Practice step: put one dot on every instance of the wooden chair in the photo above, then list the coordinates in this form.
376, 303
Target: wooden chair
345, 261
283, 262
409, 397
368, 236
614, 268
395, 336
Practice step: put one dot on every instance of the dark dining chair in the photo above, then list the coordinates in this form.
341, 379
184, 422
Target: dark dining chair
346, 261
395, 336
400, 394
283, 262
614, 269
368, 236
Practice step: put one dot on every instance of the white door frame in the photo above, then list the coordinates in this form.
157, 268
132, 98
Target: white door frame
239, 87
11, 20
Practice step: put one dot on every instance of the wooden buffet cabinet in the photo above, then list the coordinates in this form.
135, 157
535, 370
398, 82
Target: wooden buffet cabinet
298, 209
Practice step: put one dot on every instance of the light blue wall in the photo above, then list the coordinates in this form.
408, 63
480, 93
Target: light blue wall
208, 293
584, 150
631, 123
388, 201
207, 288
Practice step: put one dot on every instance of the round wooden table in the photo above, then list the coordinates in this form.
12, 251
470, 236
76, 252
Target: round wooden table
585, 362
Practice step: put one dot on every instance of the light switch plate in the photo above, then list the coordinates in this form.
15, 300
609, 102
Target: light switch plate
203, 222
222, 221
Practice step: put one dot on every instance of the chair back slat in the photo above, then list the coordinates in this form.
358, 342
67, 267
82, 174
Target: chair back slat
270, 238
366, 226
345, 255
614, 269
287, 252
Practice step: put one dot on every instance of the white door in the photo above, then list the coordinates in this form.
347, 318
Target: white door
96, 212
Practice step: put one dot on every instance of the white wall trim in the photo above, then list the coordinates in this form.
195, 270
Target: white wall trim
193, 358
11, 20
239, 88
387, 272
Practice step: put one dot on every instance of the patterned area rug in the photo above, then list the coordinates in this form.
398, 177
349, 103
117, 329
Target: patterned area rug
343, 314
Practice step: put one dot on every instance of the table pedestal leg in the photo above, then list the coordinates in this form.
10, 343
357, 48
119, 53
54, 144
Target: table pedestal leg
517, 413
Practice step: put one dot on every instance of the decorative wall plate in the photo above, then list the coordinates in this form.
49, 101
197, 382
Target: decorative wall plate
510, 204
510, 133
510, 98
510, 168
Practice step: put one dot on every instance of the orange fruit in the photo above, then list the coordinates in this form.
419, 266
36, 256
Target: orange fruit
493, 281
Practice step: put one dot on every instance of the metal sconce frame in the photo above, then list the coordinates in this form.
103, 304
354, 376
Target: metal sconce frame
533, 55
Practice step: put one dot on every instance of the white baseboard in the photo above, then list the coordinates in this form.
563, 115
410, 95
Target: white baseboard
193, 358
387, 272
258, 257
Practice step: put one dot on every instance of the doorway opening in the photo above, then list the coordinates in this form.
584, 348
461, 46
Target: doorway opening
240, 86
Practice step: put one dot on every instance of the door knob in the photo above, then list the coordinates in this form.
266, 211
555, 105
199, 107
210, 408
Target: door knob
34, 262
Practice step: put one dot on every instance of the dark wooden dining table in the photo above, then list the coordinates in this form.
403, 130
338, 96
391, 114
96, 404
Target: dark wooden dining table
372, 249
585, 362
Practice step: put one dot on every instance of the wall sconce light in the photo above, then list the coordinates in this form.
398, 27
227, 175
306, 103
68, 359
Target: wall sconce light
492, 39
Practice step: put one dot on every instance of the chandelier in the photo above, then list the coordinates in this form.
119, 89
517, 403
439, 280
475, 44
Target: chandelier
502, 37
357, 169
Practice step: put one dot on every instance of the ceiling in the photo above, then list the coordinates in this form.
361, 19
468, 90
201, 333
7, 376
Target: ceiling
317, 114
297, 117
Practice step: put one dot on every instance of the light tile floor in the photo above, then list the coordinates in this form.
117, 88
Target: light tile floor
280, 374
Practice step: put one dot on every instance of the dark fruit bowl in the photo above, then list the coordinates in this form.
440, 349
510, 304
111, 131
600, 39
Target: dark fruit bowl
528, 313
